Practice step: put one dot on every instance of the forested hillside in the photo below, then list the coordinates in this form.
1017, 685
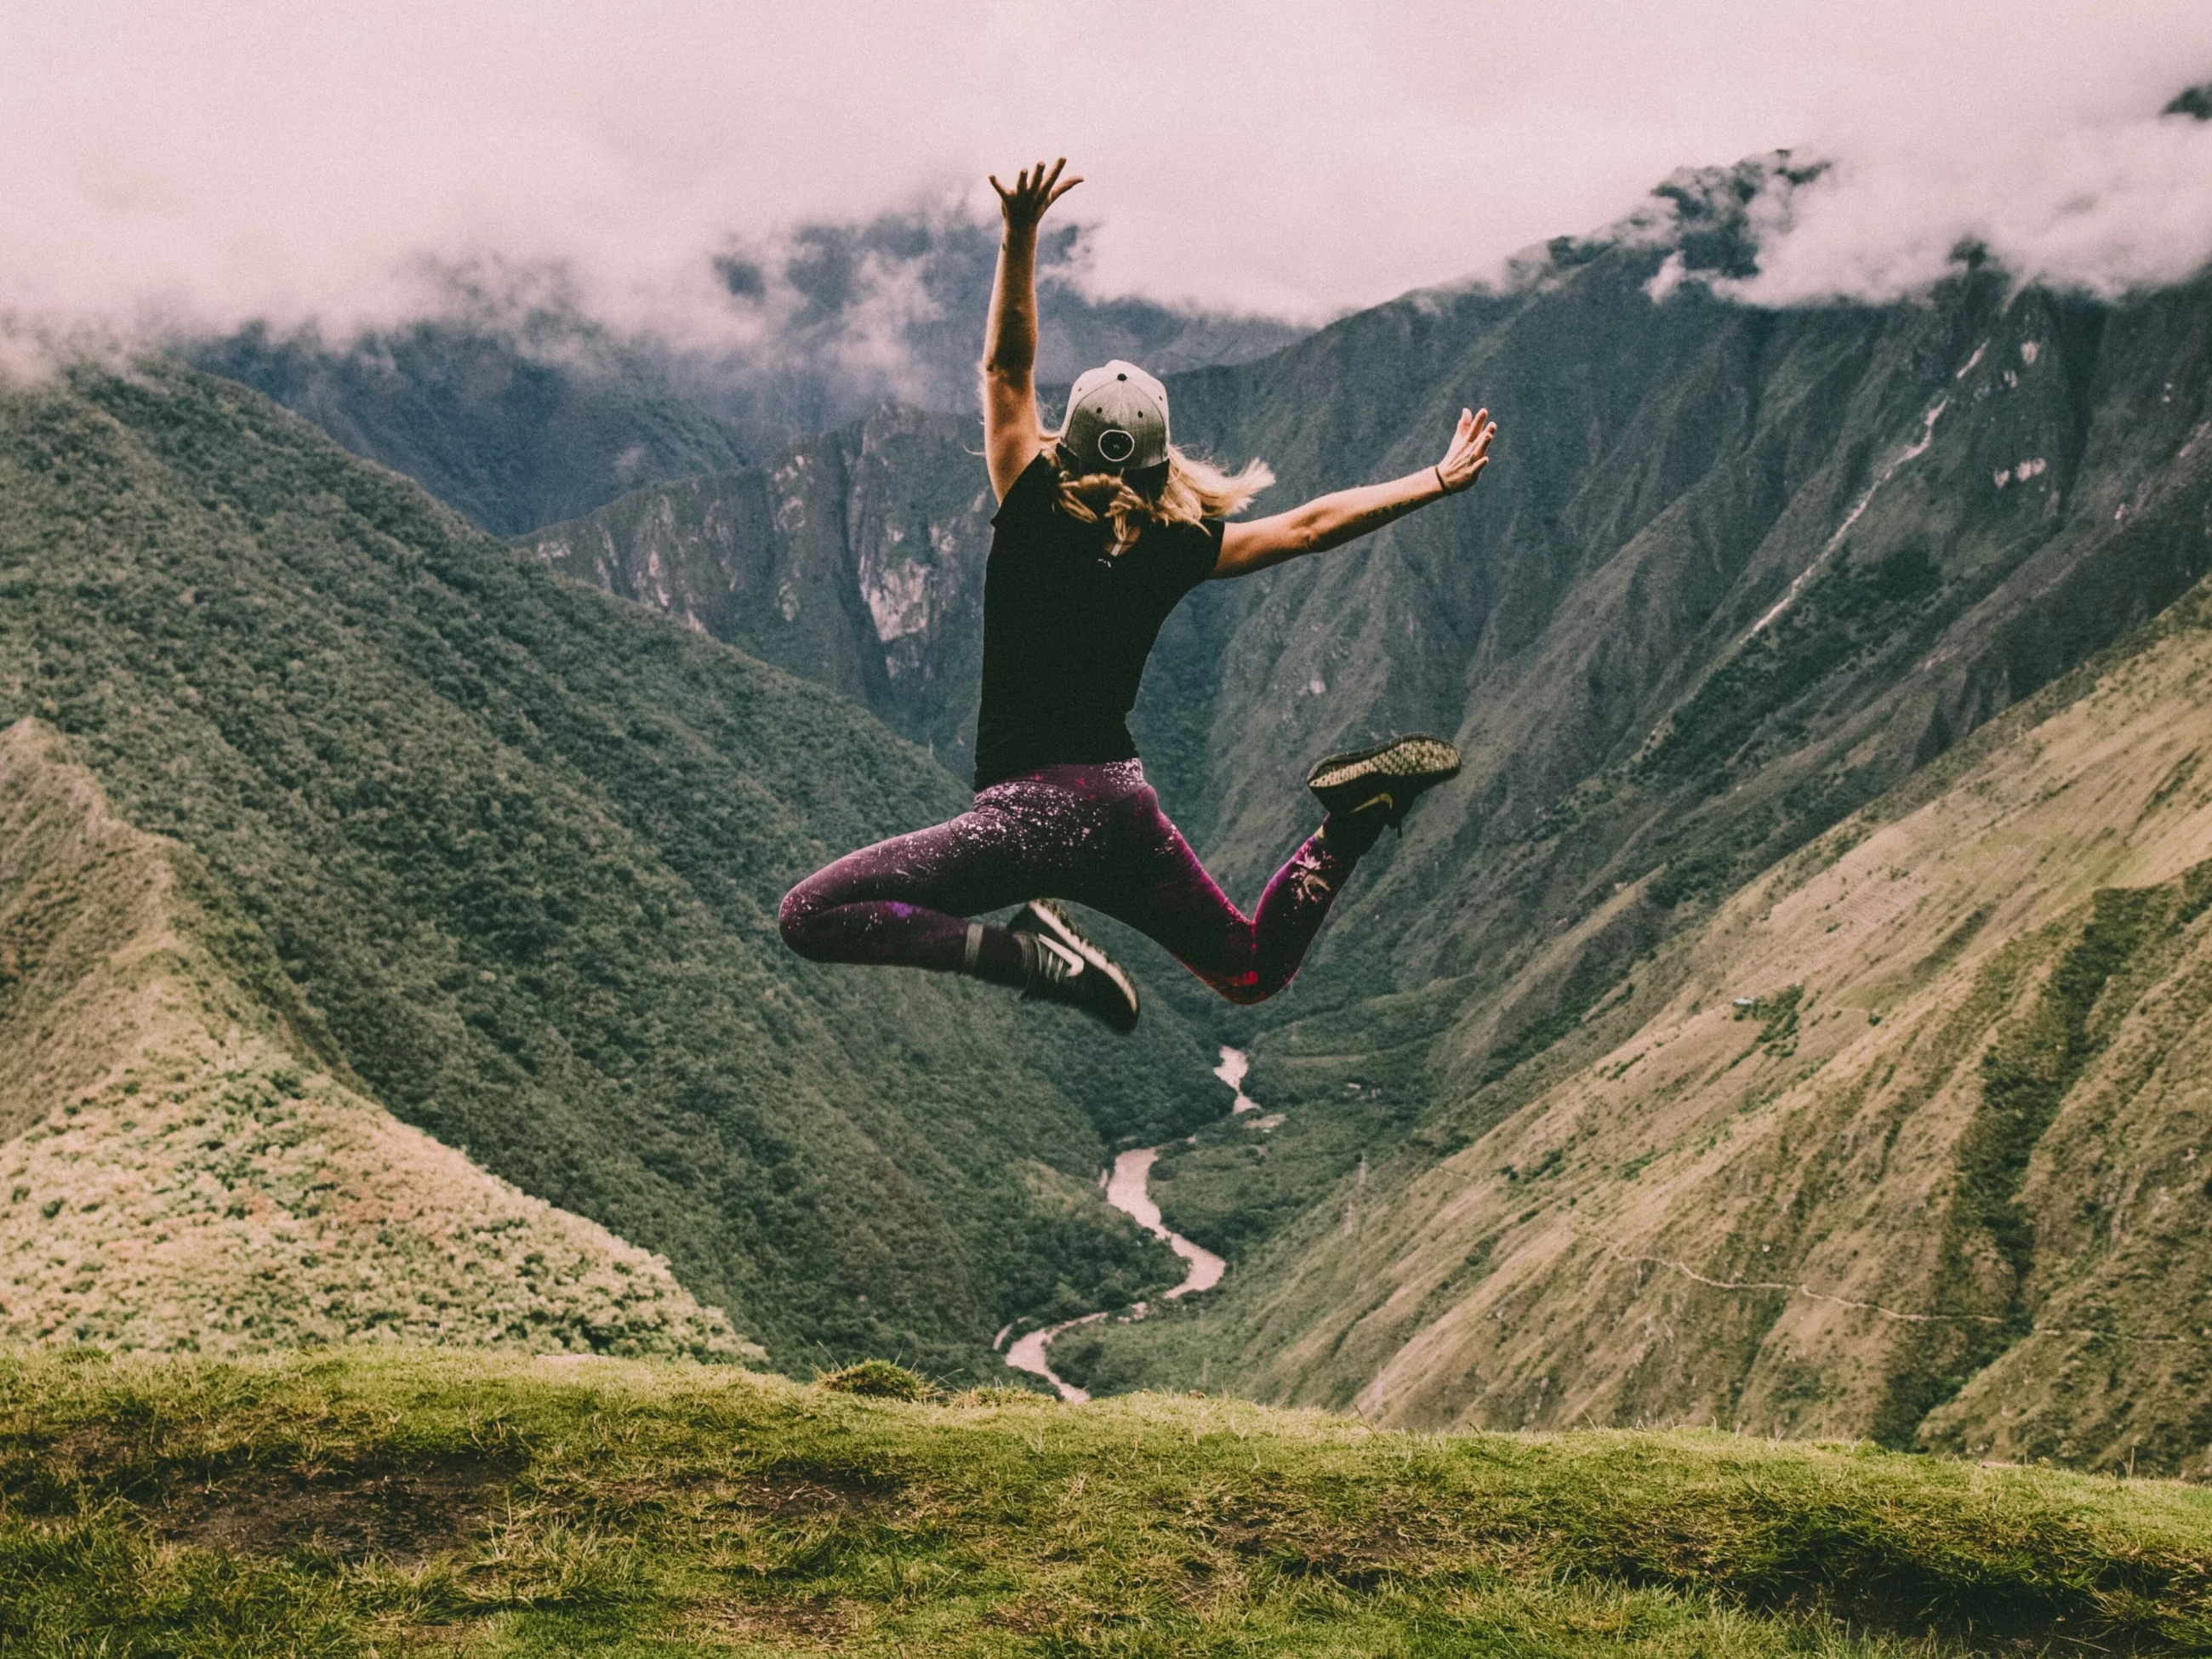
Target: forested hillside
518, 846
1733, 575
191, 1167
514, 425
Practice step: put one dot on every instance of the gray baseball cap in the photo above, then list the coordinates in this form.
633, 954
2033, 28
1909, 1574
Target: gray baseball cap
1117, 421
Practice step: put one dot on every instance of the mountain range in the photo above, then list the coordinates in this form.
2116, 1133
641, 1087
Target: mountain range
1740, 587
514, 405
1788, 1020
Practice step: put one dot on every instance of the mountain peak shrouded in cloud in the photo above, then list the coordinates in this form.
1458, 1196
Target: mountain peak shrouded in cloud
843, 316
2115, 203
510, 401
1793, 229
2193, 101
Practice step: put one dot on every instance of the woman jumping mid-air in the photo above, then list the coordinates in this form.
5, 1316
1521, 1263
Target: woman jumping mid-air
1101, 528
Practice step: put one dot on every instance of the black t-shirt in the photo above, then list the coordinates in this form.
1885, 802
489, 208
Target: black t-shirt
1067, 626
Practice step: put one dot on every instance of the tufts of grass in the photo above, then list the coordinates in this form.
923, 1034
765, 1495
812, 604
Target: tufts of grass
532, 1507
877, 1379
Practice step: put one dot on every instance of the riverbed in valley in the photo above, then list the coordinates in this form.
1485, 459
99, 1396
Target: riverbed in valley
1128, 1189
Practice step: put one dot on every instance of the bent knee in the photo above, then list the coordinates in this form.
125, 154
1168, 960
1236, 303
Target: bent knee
792, 917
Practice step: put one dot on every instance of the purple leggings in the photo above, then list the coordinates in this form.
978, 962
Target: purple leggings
1092, 833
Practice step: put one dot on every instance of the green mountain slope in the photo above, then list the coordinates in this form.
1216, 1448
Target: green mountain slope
519, 845
1734, 574
382, 1502
188, 1165
1902, 1142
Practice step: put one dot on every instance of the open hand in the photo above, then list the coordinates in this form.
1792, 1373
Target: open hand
1035, 190
1470, 453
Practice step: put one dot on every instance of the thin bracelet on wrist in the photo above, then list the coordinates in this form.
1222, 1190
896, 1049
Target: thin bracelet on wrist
1438, 468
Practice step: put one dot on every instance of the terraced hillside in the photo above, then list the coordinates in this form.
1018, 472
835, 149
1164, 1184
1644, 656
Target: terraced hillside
518, 845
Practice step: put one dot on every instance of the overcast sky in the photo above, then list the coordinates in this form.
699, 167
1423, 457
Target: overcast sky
219, 160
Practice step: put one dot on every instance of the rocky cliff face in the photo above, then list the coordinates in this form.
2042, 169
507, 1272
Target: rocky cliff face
854, 558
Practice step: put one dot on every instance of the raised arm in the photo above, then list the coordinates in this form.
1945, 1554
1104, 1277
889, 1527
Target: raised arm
1331, 520
1010, 411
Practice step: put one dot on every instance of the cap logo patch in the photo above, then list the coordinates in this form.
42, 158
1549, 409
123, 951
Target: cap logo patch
1115, 446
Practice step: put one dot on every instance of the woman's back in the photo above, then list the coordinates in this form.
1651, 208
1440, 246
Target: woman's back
1068, 624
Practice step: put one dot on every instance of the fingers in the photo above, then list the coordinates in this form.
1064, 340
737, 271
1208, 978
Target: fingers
1035, 189
1469, 452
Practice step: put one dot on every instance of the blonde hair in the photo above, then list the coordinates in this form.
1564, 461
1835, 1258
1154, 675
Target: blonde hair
1192, 489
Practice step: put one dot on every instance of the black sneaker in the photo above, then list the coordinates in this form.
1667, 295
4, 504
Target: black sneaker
1385, 778
1066, 967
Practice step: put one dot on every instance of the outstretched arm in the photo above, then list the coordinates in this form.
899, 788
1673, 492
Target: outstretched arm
1010, 411
1331, 520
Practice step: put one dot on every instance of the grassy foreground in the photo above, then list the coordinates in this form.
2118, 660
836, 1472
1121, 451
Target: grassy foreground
358, 1502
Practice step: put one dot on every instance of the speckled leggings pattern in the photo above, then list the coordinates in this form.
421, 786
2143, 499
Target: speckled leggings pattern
1094, 834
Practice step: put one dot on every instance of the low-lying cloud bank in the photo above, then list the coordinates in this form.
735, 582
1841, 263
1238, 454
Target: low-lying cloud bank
2114, 205
739, 182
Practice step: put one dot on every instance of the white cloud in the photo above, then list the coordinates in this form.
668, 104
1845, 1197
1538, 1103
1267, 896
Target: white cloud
229, 159
2107, 202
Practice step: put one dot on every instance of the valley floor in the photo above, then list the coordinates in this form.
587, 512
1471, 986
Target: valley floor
365, 1502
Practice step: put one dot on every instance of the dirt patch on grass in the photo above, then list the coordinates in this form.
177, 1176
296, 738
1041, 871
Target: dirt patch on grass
813, 1488
794, 1621
403, 1516
1357, 1551
1031, 1616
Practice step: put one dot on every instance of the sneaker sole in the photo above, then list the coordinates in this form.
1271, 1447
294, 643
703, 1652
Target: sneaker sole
1418, 756
1062, 932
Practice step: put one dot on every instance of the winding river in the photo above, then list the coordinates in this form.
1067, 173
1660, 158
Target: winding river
1128, 1189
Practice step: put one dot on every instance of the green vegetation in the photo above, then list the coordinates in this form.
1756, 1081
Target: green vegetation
514, 427
1778, 1019
396, 1502
184, 1165
877, 1379
2027, 1072
515, 849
